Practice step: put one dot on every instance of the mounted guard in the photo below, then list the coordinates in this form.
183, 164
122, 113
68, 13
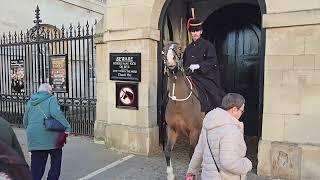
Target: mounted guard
201, 63
193, 88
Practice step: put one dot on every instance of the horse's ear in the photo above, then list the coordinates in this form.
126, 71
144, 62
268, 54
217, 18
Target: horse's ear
165, 43
165, 46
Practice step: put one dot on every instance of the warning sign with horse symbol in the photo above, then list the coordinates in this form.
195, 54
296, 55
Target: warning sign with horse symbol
127, 95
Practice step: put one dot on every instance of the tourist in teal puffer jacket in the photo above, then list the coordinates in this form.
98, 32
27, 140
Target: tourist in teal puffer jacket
42, 142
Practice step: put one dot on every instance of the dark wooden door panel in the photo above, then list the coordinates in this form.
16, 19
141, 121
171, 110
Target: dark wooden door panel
239, 53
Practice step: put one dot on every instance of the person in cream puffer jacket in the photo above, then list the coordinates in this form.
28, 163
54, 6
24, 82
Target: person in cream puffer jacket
225, 136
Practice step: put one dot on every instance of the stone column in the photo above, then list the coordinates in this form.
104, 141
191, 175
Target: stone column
129, 26
289, 148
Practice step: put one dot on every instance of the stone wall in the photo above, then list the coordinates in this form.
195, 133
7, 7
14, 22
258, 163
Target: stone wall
290, 145
125, 31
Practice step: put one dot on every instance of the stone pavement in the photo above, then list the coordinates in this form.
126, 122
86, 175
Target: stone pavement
82, 157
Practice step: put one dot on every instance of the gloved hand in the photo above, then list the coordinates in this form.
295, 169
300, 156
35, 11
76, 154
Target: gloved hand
193, 67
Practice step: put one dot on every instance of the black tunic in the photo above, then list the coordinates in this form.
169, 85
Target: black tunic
207, 77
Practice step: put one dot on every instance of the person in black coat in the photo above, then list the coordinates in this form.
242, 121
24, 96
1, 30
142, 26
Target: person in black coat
12, 161
200, 61
8, 136
12, 165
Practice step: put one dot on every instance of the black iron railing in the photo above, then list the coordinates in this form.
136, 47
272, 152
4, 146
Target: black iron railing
24, 63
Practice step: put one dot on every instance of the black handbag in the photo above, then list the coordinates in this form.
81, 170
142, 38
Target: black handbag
50, 123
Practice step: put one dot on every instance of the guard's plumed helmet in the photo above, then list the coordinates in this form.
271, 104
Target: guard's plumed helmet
194, 24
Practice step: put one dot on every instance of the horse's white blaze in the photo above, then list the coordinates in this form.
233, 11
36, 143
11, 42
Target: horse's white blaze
170, 55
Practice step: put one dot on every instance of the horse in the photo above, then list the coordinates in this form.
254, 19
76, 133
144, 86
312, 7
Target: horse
183, 111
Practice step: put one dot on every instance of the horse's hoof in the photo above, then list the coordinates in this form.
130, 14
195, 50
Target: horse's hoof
170, 175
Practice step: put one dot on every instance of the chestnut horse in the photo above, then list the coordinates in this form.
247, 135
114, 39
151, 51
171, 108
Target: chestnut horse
183, 115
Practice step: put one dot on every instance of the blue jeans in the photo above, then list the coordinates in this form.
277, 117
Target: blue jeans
39, 161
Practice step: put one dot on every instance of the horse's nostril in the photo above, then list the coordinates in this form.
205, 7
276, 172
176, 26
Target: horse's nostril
171, 66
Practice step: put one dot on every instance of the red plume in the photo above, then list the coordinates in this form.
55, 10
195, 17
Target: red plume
188, 23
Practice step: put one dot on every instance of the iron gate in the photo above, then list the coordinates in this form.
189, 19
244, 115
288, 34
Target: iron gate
24, 62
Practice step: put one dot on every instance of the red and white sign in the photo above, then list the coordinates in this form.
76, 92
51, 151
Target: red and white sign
126, 96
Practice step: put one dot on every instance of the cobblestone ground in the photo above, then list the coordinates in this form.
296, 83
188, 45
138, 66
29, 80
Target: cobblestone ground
82, 157
180, 160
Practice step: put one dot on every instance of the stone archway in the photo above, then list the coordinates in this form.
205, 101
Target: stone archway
169, 24
293, 33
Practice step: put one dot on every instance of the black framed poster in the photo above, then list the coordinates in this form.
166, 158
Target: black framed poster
125, 66
58, 72
17, 75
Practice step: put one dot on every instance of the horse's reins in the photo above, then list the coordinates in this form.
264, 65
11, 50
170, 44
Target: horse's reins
173, 97
191, 81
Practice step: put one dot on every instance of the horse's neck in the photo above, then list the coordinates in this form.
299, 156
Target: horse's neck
179, 86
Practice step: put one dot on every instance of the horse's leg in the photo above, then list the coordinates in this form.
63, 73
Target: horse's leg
193, 138
172, 137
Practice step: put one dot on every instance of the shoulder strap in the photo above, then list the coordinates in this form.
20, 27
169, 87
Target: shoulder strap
39, 107
211, 152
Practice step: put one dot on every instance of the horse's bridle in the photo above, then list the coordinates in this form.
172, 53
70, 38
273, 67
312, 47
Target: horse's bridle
172, 73
178, 60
